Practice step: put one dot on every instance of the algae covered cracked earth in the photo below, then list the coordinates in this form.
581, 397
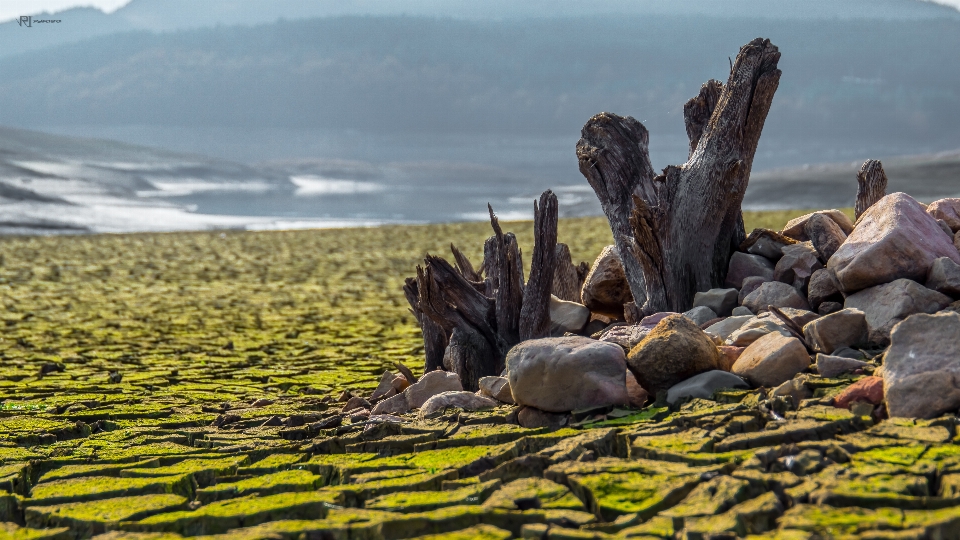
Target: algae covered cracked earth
183, 385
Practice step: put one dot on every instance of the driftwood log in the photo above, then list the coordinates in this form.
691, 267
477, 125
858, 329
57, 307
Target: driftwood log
871, 185
471, 317
676, 231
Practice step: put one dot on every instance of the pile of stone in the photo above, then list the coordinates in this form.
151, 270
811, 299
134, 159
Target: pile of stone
824, 296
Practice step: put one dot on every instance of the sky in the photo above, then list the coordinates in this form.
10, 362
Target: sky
11, 9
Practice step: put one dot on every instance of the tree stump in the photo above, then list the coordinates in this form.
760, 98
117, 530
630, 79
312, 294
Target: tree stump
871, 185
676, 232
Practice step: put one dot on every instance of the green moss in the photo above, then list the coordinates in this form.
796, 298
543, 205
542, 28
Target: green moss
219, 517
272, 463
609, 495
204, 471
11, 531
268, 484
477, 532
110, 469
90, 518
101, 487
548, 494
422, 501
840, 521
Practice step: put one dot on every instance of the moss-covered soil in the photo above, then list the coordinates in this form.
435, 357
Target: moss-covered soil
159, 386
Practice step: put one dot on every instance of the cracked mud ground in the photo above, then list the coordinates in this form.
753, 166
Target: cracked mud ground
184, 385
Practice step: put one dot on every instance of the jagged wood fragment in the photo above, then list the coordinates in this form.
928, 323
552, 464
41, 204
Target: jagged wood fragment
566, 277
535, 312
871, 185
435, 339
506, 265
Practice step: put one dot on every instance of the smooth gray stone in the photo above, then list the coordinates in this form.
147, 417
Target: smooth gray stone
704, 385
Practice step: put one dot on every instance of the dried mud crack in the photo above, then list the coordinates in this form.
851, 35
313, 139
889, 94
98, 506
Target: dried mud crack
189, 385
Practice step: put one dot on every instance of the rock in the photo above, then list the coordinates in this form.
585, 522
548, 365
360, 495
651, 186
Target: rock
625, 335
795, 227
944, 277
945, 228
605, 288
728, 326
392, 405
775, 293
497, 388
771, 360
797, 265
743, 266
532, 418
886, 305
566, 373
387, 383
700, 315
740, 311
675, 350
429, 385
867, 389
749, 285
827, 308
823, 287
956, 240
729, 355
921, 369
766, 243
947, 210
847, 352
825, 235
720, 301
467, 401
894, 239
567, 316
800, 317
636, 396
832, 366
356, 402
754, 329
704, 385
795, 389
841, 329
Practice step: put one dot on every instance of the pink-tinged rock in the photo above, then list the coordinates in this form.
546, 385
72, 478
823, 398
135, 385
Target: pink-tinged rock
497, 388
532, 418
867, 389
838, 330
825, 235
921, 369
771, 360
777, 294
948, 210
823, 287
944, 277
766, 243
749, 285
393, 405
798, 263
388, 386
886, 305
467, 401
795, 227
636, 395
743, 266
729, 355
605, 288
567, 373
431, 384
895, 238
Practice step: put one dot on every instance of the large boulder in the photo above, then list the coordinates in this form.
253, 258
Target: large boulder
605, 288
720, 301
798, 263
944, 277
825, 235
675, 350
796, 228
837, 330
894, 239
567, 373
704, 385
775, 293
567, 316
743, 265
948, 210
886, 305
921, 369
772, 360
766, 243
